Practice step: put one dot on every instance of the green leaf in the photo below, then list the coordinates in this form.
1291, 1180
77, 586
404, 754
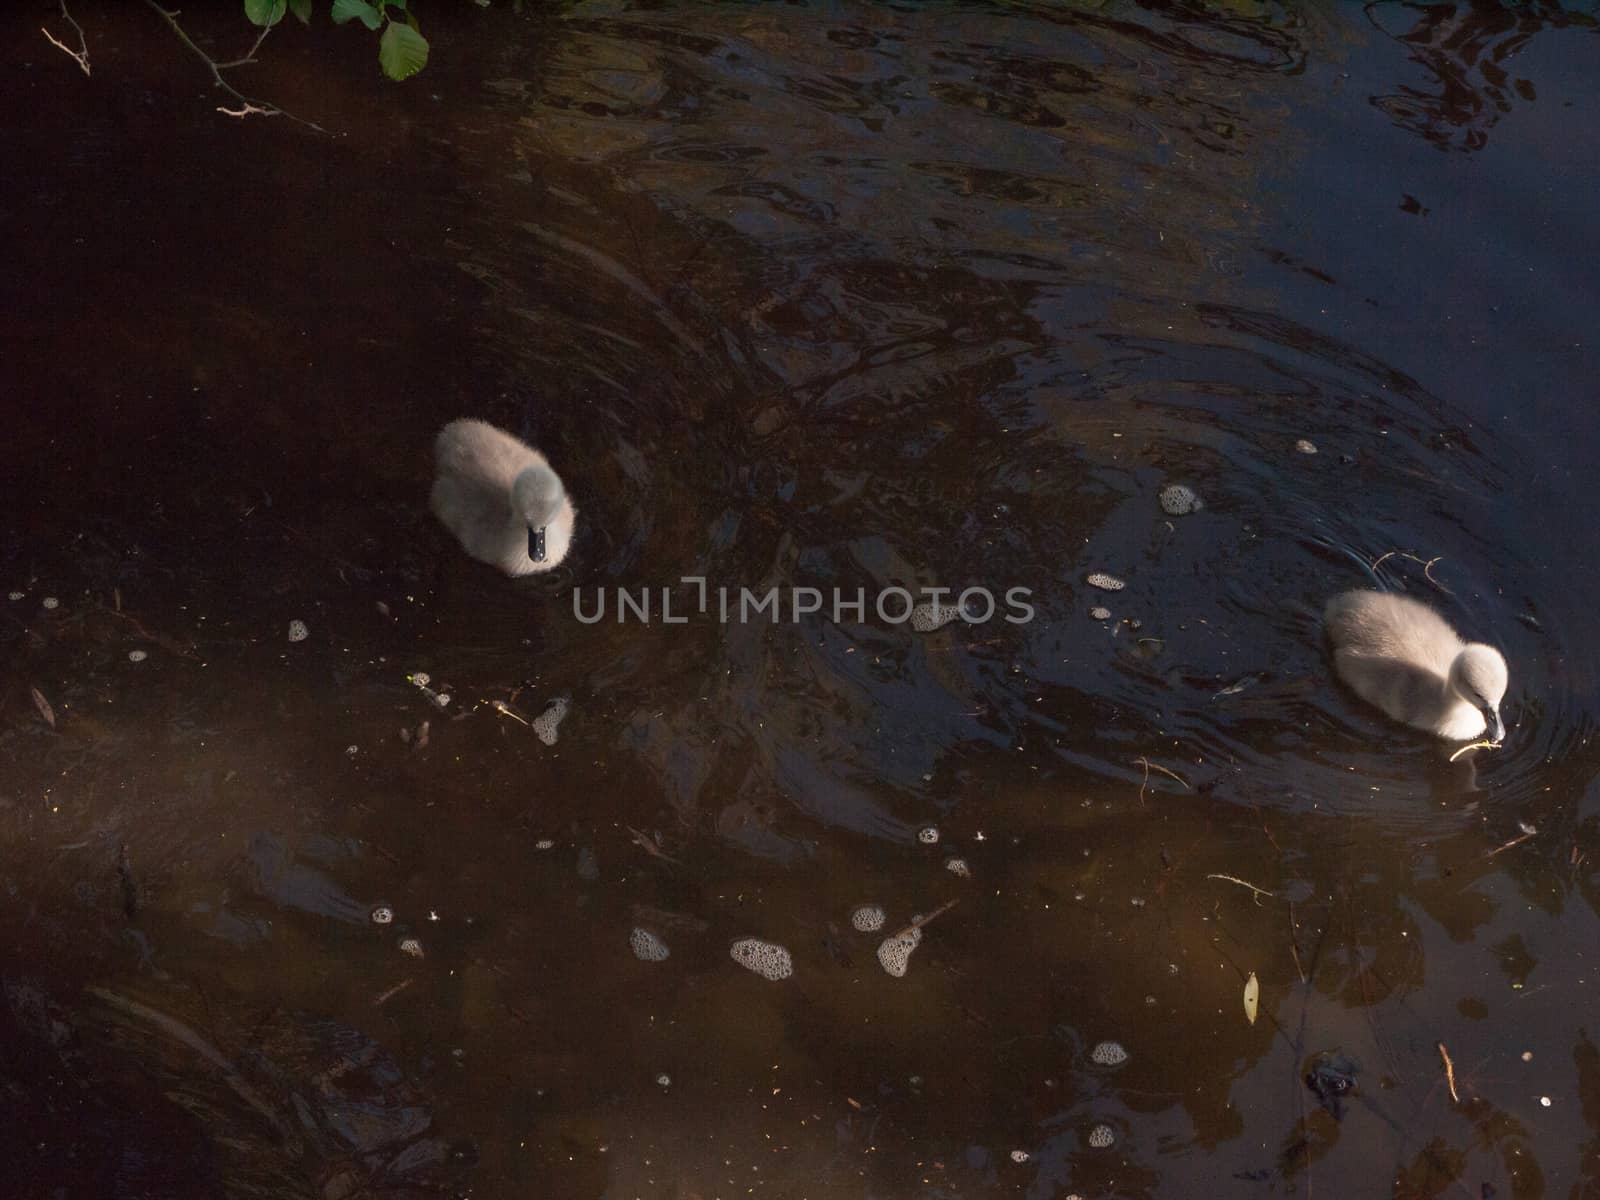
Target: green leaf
265, 12
356, 10
301, 9
402, 51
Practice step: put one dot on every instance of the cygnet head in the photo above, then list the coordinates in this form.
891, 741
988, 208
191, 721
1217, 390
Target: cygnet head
537, 495
1479, 676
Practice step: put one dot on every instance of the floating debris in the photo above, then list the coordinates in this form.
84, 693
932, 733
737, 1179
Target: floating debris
1305, 446
958, 867
1106, 583
382, 915
412, 947
419, 679
869, 918
299, 631
137, 656
1020, 1156
1100, 614
43, 705
767, 959
51, 602
16, 595
1179, 500
546, 722
928, 835
894, 953
647, 947
1102, 1136
544, 844
352, 750
926, 617
1252, 997
663, 1080
1109, 1054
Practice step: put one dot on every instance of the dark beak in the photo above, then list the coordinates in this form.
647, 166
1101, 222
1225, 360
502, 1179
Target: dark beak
1496, 731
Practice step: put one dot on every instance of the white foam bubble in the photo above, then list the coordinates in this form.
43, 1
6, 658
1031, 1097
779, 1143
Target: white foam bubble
958, 867
412, 947
1102, 1136
546, 722
868, 918
50, 602
299, 631
1305, 446
1109, 1054
420, 679
894, 953
1020, 1156
928, 835
382, 915
767, 959
1106, 583
647, 947
1179, 499
1100, 614
927, 617
137, 656
15, 595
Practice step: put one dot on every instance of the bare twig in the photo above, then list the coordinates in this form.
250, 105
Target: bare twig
648, 845
1516, 841
1449, 1071
1150, 766
392, 992
247, 107
1259, 892
923, 920
1485, 745
81, 54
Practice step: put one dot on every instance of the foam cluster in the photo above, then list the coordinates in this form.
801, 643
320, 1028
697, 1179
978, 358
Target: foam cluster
894, 953
926, 617
1106, 583
299, 631
647, 947
1179, 499
1102, 1136
868, 918
1109, 1054
767, 959
545, 723
928, 835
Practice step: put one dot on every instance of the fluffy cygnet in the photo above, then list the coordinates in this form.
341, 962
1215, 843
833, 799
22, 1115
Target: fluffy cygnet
493, 489
1399, 655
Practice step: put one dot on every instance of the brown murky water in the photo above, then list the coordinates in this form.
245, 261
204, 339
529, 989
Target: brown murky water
844, 297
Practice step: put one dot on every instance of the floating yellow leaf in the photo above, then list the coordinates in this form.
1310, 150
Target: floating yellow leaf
1252, 995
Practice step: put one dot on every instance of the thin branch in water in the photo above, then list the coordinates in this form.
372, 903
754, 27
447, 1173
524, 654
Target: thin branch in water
1449, 1071
1150, 766
247, 107
1259, 892
1516, 841
1485, 745
921, 921
81, 54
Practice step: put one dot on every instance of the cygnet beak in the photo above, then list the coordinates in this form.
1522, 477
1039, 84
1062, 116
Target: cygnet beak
536, 543
1496, 731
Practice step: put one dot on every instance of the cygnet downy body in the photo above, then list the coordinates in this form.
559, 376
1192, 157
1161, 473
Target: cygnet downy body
1399, 655
492, 490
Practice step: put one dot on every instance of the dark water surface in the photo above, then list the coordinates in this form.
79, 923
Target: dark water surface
841, 296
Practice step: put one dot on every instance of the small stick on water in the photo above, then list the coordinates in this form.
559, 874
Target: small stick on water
1150, 766
923, 920
1485, 745
1427, 571
1378, 562
392, 992
504, 709
1449, 1071
648, 845
43, 705
1516, 841
1259, 892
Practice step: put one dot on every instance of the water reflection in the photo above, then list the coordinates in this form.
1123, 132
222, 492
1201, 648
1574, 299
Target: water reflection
860, 299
